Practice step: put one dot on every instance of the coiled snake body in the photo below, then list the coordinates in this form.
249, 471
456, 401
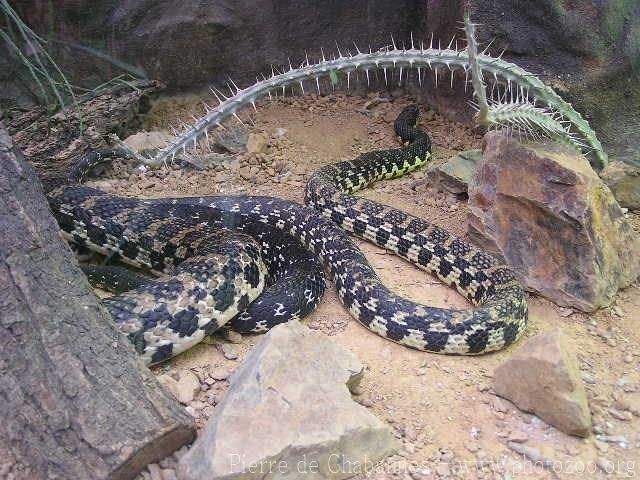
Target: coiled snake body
217, 253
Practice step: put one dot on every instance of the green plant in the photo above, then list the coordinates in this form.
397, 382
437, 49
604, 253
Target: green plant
52, 85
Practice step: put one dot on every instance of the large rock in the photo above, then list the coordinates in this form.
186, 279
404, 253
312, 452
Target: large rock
548, 214
624, 181
289, 414
543, 378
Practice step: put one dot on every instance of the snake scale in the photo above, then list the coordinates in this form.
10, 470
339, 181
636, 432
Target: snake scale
255, 261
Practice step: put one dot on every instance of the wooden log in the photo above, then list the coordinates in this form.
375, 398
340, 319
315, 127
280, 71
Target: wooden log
75, 401
52, 143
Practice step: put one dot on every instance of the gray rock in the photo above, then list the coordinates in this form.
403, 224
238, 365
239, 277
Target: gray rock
454, 175
548, 214
204, 42
624, 181
543, 378
288, 413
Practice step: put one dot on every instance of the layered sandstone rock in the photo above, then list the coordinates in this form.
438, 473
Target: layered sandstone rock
548, 214
543, 378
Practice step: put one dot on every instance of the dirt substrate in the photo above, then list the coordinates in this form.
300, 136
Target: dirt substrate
442, 408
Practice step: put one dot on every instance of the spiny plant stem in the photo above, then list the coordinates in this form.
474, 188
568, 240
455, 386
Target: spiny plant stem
518, 115
479, 87
419, 59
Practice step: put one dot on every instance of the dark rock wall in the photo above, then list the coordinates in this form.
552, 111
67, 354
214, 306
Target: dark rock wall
589, 50
194, 42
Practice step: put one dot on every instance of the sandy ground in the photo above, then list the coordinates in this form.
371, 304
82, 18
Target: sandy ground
442, 408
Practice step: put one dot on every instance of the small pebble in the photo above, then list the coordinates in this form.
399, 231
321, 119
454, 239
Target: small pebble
423, 474
234, 337
482, 459
443, 470
169, 474
154, 470
178, 454
619, 439
446, 456
219, 374
565, 312
499, 405
187, 388
471, 446
228, 351
605, 465
618, 415
357, 390
531, 453
518, 436
410, 433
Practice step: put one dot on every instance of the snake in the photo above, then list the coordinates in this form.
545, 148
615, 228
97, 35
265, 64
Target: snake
253, 262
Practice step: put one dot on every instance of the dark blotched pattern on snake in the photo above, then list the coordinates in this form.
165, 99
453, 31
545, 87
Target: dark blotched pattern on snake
215, 254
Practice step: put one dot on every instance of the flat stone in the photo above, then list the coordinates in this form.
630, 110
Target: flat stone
288, 413
454, 175
624, 181
548, 214
543, 378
